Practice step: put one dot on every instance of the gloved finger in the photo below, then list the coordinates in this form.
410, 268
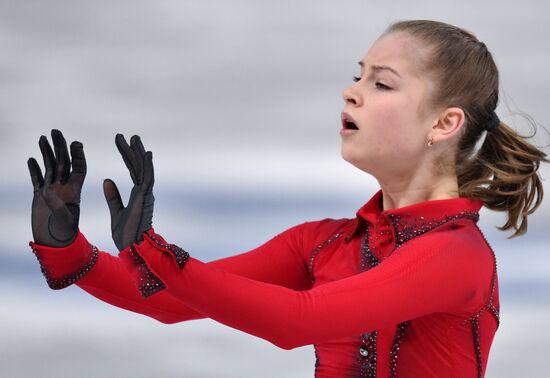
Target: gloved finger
137, 145
49, 159
134, 141
62, 156
78, 162
148, 172
127, 155
36, 174
112, 196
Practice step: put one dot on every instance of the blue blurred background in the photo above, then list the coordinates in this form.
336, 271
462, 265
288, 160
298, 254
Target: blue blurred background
240, 103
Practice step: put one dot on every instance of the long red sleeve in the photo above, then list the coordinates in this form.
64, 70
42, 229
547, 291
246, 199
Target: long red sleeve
431, 274
277, 262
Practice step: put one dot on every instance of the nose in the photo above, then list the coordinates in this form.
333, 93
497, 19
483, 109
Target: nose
350, 96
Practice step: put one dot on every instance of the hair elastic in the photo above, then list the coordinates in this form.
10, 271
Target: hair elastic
493, 123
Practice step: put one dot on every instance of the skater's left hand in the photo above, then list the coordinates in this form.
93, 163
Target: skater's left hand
129, 223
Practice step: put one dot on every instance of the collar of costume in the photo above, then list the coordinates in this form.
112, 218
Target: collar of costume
409, 221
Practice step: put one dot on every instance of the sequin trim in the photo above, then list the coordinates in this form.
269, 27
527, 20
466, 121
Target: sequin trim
405, 231
69, 279
317, 361
490, 306
396, 344
474, 319
180, 255
368, 260
367, 351
149, 283
367, 355
316, 251
477, 345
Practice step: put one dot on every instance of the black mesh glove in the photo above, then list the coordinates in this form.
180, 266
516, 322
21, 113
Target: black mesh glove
129, 223
56, 200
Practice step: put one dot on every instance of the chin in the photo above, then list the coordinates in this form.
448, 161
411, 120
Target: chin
355, 161
348, 155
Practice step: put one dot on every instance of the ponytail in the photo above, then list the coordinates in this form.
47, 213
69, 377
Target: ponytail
504, 175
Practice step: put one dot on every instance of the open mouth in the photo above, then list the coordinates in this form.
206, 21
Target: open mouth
348, 123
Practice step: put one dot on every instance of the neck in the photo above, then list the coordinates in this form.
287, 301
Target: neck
401, 194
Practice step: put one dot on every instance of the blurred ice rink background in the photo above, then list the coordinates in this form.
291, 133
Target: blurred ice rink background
240, 103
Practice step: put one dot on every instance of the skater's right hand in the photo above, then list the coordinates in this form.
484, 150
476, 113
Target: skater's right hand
56, 200
129, 223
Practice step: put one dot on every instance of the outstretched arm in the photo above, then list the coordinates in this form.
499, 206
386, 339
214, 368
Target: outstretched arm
277, 262
425, 276
55, 213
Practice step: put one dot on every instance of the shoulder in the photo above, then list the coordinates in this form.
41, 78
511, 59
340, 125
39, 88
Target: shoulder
460, 234
461, 237
305, 236
316, 232
459, 249
308, 234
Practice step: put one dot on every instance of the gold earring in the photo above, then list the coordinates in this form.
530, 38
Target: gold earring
430, 141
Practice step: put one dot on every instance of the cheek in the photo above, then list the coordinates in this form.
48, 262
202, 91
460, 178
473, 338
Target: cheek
391, 125
396, 130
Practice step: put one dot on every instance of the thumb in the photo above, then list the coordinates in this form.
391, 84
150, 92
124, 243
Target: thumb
112, 196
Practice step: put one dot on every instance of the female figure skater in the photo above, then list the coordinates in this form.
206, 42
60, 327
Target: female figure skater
407, 288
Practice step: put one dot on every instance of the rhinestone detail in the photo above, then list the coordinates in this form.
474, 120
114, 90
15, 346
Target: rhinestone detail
180, 255
401, 327
366, 358
316, 251
149, 283
368, 259
69, 279
405, 231
477, 345
367, 350
474, 319
317, 361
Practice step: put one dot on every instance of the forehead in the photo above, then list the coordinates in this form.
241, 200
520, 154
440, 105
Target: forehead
397, 50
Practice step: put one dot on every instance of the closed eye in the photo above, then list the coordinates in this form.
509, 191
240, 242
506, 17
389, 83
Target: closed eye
381, 86
378, 84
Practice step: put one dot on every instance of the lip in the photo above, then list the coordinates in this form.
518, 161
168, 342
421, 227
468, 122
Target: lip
344, 132
345, 117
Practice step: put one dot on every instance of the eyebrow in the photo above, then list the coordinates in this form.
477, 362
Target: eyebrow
376, 67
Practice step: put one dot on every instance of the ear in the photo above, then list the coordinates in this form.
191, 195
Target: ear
448, 124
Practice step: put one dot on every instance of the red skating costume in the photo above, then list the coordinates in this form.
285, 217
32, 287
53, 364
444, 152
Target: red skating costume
408, 292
